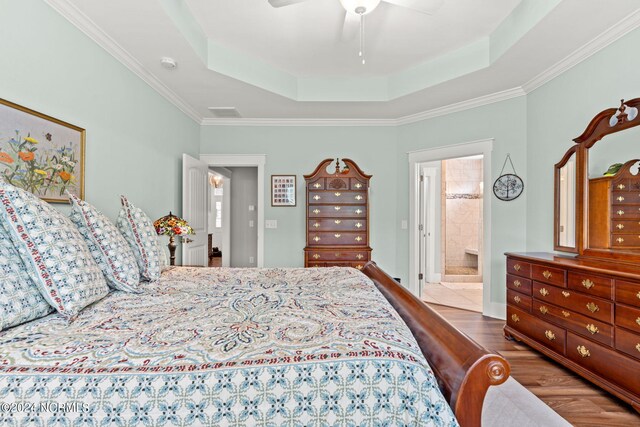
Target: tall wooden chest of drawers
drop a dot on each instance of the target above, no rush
(585, 314)
(337, 216)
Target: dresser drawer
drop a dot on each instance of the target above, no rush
(625, 226)
(519, 300)
(628, 292)
(316, 185)
(583, 325)
(626, 197)
(628, 342)
(337, 211)
(553, 276)
(338, 255)
(590, 284)
(620, 369)
(519, 284)
(620, 185)
(625, 240)
(338, 197)
(337, 224)
(356, 184)
(628, 317)
(624, 212)
(337, 238)
(595, 308)
(316, 264)
(519, 268)
(550, 335)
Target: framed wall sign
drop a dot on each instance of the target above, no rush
(40, 154)
(283, 190)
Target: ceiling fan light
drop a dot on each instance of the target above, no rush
(352, 5)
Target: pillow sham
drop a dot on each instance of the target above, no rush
(53, 251)
(107, 246)
(20, 299)
(141, 235)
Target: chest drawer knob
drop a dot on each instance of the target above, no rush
(638, 321)
(517, 267)
(317, 185)
(621, 186)
(359, 256)
(619, 240)
(358, 225)
(638, 295)
(517, 283)
(550, 335)
(565, 294)
(358, 211)
(592, 307)
(588, 283)
(544, 292)
(517, 299)
(547, 274)
(543, 309)
(317, 239)
(316, 197)
(338, 194)
(515, 318)
(359, 197)
(336, 208)
(620, 212)
(316, 225)
(638, 346)
(583, 351)
(358, 185)
(316, 211)
(593, 329)
(337, 221)
(620, 198)
(620, 226)
(316, 256)
(359, 267)
(337, 235)
(358, 239)
(566, 313)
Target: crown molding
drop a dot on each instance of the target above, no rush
(604, 39)
(298, 122)
(91, 30)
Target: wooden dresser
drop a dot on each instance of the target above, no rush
(583, 313)
(337, 215)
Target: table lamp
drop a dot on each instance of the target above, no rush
(171, 225)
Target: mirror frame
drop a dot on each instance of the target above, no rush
(597, 129)
(556, 205)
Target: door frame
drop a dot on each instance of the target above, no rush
(484, 147)
(246, 160)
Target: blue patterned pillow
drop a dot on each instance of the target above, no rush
(20, 299)
(110, 250)
(141, 235)
(53, 251)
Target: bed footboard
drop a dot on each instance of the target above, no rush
(464, 369)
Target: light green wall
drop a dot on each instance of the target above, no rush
(560, 110)
(298, 150)
(135, 137)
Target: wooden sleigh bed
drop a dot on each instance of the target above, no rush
(464, 369)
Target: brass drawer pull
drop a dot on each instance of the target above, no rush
(337, 221)
(638, 346)
(359, 256)
(358, 211)
(517, 283)
(317, 239)
(565, 294)
(316, 256)
(337, 254)
(515, 318)
(316, 197)
(358, 239)
(517, 299)
(619, 240)
(621, 187)
(638, 321)
(620, 212)
(620, 226)
(358, 224)
(316, 211)
(359, 267)
(337, 208)
(550, 335)
(620, 198)
(338, 194)
(337, 235)
(588, 283)
(544, 292)
(638, 295)
(566, 313)
(359, 197)
(592, 328)
(517, 267)
(316, 225)
(543, 309)
(582, 351)
(592, 307)
(546, 274)
(358, 185)
(317, 185)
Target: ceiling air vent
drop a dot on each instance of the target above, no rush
(224, 112)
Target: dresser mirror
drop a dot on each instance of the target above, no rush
(597, 188)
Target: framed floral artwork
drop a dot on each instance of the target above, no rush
(283, 190)
(41, 154)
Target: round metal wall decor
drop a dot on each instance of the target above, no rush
(508, 186)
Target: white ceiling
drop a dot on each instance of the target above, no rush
(304, 39)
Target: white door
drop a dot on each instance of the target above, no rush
(195, 202)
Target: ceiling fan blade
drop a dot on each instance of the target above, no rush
(281, 3)
(351, 26)
(429, 7)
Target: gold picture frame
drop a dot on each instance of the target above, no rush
(41, 154)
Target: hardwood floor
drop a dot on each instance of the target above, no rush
(576, 400)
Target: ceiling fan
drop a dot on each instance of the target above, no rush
(355, 11)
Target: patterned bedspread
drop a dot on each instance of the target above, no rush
(238, 347)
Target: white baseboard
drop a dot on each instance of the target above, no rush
(496, 310)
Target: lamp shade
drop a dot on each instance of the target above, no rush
(171, 225)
